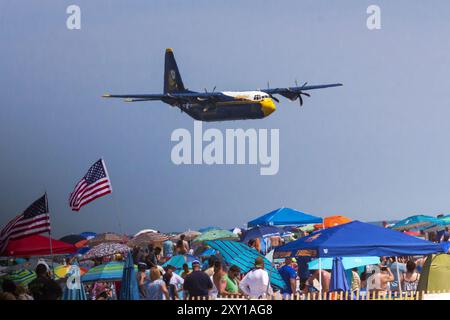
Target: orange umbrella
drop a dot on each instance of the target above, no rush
(333, 221)
(81, 243)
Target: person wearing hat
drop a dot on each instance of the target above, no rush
(256, 283)
(173, 282)
(43, 287)
(141, 278)
(197, 284)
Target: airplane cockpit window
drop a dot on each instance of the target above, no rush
(257, 97)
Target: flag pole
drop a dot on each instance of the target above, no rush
(49, 232)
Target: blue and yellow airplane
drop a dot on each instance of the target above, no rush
(218, 106)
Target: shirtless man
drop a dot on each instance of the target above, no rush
(384, 277)
(326, 277)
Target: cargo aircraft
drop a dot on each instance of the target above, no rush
(219, 105)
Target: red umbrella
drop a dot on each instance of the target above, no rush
(37, 245)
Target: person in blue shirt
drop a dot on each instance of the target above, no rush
(289, 276)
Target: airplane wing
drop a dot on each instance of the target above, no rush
(173, 98)
(293, 93)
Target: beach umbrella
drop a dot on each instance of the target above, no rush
(439, 226)
(72, 238)
(333, 221)
(178, 261)
(260, 232)
(21, 277)
(129, 287)
(208, 252)
(241, 255)
(63, 271)
(147, 238)
(338, 281)
(415, 222)
(188, 235)
(145, 231)
(216, 235)
(88, 235)
(347, 262)
(206, 229)
(107, 238)
(81, 243)
(106, 249)
(111, 271)
(74, 289)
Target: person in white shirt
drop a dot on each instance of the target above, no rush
(256, 283)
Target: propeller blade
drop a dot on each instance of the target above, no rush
(276, 99)
(306, 94)
(300, 99)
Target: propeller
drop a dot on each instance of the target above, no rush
(300, 93)
(271, 96)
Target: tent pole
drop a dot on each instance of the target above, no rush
(398, 276)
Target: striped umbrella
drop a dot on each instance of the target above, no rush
(74, 289)
(129, 288)
(241, 255)
(178, 261)
(63, 271)
(111, 271)
(415, 222)
(21, 277)
(438, 226)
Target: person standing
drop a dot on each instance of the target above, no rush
(410, 279)
(156, 288)
(445, 235)
(256, 282)
(289, 275)
(356, 280)
(197, 284)
(232, 279)
(43, 287)
(141, 280)
(393, 265)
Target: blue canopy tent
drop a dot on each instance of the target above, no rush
(357, 239)
(241, 255)
(283, 217)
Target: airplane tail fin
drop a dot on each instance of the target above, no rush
(172, 77)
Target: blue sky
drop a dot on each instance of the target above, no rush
(374, 149)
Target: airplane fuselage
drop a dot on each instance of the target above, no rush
(237, 105)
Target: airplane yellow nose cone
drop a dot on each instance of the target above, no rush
(267, 106)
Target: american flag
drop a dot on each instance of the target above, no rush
(93, 185)
(34, 220)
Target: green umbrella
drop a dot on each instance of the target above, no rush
(21, 277)
(216, 234)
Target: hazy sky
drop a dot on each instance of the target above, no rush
(377, 148)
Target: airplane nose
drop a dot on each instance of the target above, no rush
(267, 106)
